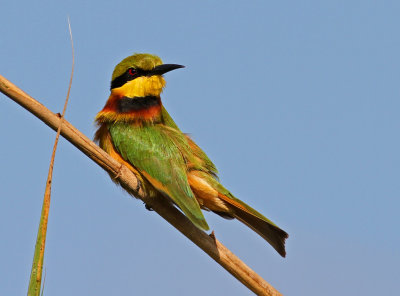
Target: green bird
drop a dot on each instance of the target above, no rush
(136, 130)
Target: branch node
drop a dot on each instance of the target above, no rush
(212, 235)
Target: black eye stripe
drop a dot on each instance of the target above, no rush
(129, 75)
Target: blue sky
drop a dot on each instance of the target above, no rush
(296, 102)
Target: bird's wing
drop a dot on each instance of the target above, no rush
(159, 158)
(203, 162)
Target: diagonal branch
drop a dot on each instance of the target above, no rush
(208, 243)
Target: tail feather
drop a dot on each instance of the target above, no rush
(271, 233)
(275, 236)
(213, 196)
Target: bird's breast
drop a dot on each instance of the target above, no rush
(121, 108)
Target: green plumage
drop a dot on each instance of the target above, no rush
(157, 150)
(205, 163)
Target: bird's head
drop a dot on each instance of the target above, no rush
(136, 85)
(140, 75)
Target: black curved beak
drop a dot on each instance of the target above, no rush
(164, 68)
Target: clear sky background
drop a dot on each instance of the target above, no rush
(296, 102)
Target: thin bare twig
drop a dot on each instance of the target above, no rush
(208, 244)
(37, 265)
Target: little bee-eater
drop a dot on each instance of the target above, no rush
(136, 130)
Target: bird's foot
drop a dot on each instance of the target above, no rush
(118, 172)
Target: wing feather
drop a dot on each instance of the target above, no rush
(160, 158)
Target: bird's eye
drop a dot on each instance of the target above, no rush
(132, 72)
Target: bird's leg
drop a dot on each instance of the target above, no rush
(139, 184)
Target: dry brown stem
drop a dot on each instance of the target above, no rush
(208, 244)
(37, 266)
